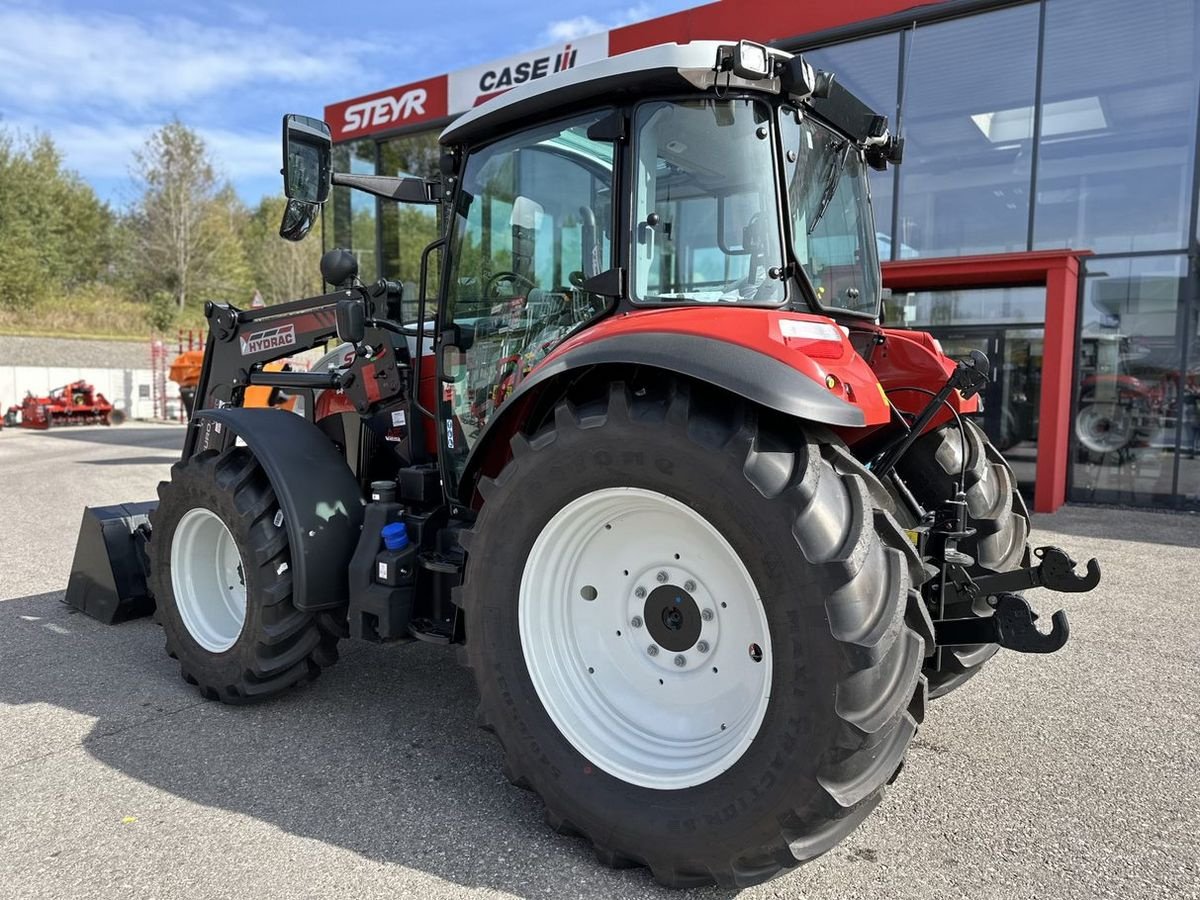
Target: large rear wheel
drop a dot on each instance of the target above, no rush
(694, 637)
(222, 582)
(931, 469)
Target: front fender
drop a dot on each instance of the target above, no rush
(320, 498)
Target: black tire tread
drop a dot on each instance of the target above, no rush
(290, 646)
(881, 691)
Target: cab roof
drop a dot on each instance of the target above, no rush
(664, 68)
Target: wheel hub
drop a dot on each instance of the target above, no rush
(673, 618)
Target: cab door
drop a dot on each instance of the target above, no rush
(533, 222)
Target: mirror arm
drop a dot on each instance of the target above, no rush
(389, 187)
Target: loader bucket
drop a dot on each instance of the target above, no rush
(108, 576)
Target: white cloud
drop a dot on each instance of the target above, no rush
(570, 29)
(106, 151)
(581, 26)
(58, 59)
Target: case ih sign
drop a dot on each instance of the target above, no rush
(470, 87)
(448, 95)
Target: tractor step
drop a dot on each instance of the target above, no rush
(431, 631)
(450, 563)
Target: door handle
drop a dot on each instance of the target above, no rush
(449, 358)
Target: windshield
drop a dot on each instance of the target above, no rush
(706, 226)
(832, 226)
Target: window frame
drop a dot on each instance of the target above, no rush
(630, 226)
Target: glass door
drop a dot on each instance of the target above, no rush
(1010, 402)
(533, 224)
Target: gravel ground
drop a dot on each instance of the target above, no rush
(1073, 775)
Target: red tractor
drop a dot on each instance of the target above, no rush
(77, 403)
(709, 537)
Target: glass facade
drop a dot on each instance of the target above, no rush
(968, 122)
(406, 228)
(1086, 111)
(1029, 126)
(1136, 402)
(354, 212)
(1006, 324)
(1118, 125)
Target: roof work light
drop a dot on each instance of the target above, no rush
(751, 61)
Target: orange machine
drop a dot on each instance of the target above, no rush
(185, 372)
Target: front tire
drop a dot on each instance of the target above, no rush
(753, 755)
(221, 577)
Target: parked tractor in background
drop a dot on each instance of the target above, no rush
(708, 534)
(77, 403)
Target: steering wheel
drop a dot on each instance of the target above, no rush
(489, 289)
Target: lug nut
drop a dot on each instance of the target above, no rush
(652, 650)
(639, 592)
(681, 660)
(706, 615)
(689, 585)
(702, 646)
(661, 576)
(636, 621)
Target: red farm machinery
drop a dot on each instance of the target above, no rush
(77, 403)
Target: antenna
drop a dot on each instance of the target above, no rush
(908, 45)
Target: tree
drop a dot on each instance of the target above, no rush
(281, 270)
(55, 234)
(185, 225)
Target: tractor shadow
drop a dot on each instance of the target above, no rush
(381, 755)
(157, 438)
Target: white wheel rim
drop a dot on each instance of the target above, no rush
(638, 713)
(208, 580)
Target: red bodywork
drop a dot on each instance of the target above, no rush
(858, 364)
(905, 360)
(77, 403)
(765, 331)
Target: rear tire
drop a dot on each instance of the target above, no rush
(998, 513)
(844, 636)
(222, 582)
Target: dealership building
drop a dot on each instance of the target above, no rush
(1046, 210)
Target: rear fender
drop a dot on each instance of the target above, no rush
(321, 501)
(800, 365)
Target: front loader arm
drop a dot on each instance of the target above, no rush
(241, 342)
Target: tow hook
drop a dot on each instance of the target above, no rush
(1012, 623)
(1011, 626)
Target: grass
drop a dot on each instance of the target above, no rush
(96, 313)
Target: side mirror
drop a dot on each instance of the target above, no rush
(298, 219)
(307, 159)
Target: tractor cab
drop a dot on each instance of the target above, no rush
(677, 178)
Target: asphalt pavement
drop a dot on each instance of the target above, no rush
(1075, 775)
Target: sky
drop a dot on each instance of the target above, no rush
(98, 77)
